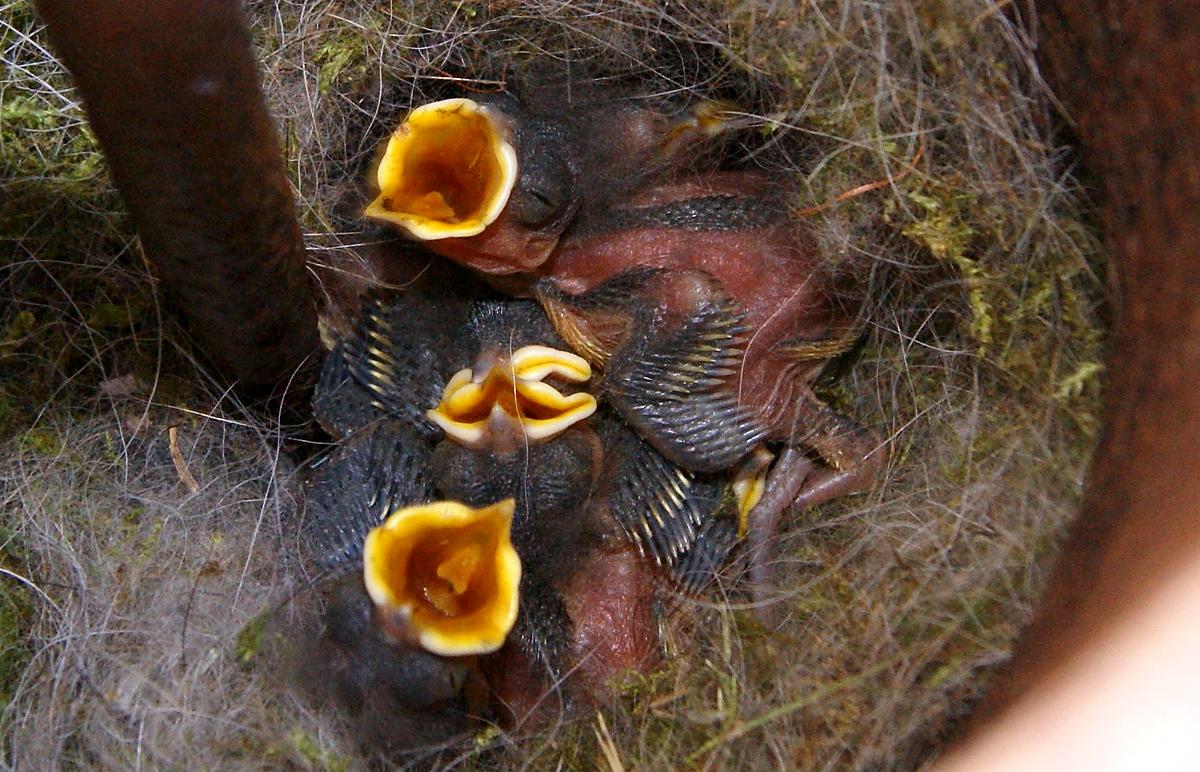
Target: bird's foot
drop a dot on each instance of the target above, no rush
(795, 482)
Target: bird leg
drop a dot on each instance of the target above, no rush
(855, 459)
(784, 483)
(827, 484)
(841, 443)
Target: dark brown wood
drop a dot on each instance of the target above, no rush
(171, 91)
(1129, 75)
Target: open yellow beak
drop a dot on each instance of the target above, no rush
(446, 575)
(749, 483)
(447, 171)
(511, 396)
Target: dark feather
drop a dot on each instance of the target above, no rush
(402, 371)
(670, 387)
(543, 628)
(346, 494)
(660, 506)
(340, 403)
(707, 555)
(703, 213)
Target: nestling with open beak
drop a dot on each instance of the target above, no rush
(396, 646)
(418, 584)
(483, 179)
(708, 310)
(514, 428)
(493, 183)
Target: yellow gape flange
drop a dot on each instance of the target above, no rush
(445, 575)
(511, 396)
(447, 171)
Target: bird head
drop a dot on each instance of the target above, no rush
(482, 182)
(445, 576)
(506, 400)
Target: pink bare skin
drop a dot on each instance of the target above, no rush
(772, 272)
(610, 600)
(787, 297)
(503, 247)
(791, 309)
(612, 604)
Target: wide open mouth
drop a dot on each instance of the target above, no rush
(447, 171)
(480, 408)
(446, 574)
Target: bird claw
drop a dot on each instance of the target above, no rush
(796, 482)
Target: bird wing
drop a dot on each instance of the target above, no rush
(340, 403)
(707, 555)
(670, 384)
(399, 370)
(354, 488)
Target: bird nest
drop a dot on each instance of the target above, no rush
(143, 539)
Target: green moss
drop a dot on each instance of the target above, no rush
(944, 24)
(487, 737)
(947, 234)
(1074, 383)
(16, 617)
(17, 328)
(110, 316)
(43, 442)
(67, 246)
(40, 139)
(314, 756)
(9, 415)
(943, 672)
(32, 143)
(249, 641)
(342, 59)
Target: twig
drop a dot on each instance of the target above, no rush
(181, 467)
(861, 189)
(607, 746)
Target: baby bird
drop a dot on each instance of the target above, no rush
(710, 342)
(704, 303)
(403, 696)
(494, 182)
(480, 178)
(508, 427)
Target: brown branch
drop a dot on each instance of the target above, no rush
(171, 91)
